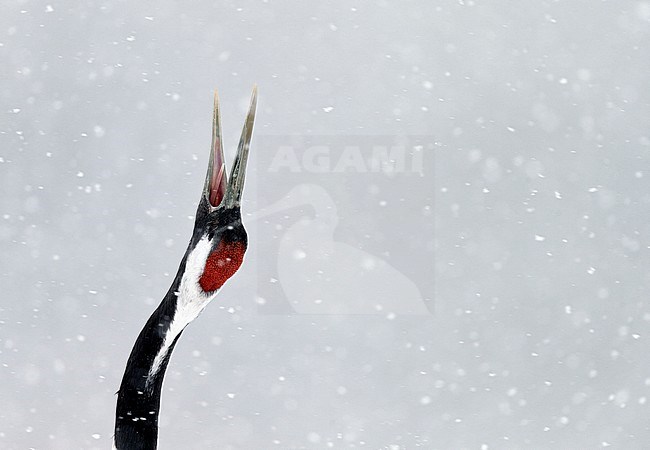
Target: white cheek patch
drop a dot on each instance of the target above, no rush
(190, 301)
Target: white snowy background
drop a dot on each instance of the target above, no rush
(538, 333)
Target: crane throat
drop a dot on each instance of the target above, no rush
(207, 269)
(221, 264)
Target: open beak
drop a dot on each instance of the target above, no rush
(217, 190)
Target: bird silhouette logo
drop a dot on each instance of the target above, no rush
(314, 264)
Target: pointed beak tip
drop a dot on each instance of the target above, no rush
(254, 96)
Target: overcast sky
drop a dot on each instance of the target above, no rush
(447, 205)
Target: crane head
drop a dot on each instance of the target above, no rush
(218, 223)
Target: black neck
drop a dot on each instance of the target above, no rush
(138, 400)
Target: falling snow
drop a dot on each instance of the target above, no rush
(524, 326)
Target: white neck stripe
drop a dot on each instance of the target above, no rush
(190, 301)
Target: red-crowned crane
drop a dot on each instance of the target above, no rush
(214, 254)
